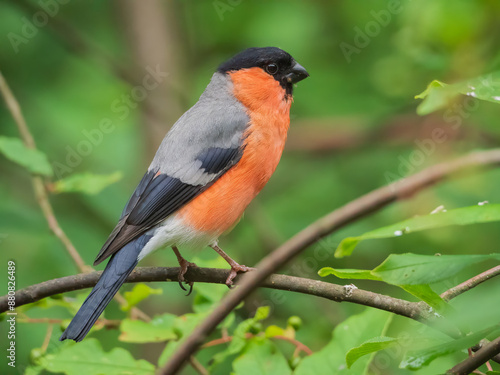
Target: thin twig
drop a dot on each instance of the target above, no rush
(198, 366)
(352, 211)
(38, 186)
(479, 358)
(48, 335)
(135, 312)
(471, 283)
(223, 340)
(488, 366)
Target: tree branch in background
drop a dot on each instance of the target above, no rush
(471, 283)
(151, 33)
(478, 359)
(298, 345)
(352, 211)
(38, 185)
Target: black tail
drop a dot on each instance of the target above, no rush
(116, 272)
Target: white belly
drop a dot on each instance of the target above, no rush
(174, 232)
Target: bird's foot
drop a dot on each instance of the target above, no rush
(235, 268)
(184, 266)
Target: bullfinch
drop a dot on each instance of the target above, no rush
(210, 165)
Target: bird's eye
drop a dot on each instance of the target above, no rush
(272, 68)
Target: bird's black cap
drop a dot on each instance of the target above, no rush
(280, 64)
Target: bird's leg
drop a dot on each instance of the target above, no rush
(235, 267)
(184, 264)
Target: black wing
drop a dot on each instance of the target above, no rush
(158, 195)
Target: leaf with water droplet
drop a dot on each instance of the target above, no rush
(460, 216)
(439, 94)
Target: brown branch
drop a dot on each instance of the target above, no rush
(223, 340)
(322, 289)
(352, 211)
(471, 283)
(479, 358)
(38, 185)
(198, 366)
(151, 31)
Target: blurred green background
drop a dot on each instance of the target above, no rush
(354, 124)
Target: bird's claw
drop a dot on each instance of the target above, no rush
(184, 265)
(235, 268)
(190, 283)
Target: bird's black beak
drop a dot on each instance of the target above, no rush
(297, 73)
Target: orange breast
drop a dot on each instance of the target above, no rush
(219, 208)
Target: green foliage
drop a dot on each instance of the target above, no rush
(349, 334)
(183, 326)
(239, 340)
(370, 346)
(86, 183)
(460, 216)
(413, 272)
(260, 357)
(412, 269)
(160, 328)
(33, 160)
(438, 94)
(417, 360)
(88, 357)
(138, 293)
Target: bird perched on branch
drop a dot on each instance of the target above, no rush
(208, 168)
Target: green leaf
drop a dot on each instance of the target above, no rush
(33, 370)
(262, 313)
(371, 346)
(418, 359)
(160, 328)
(412, 269)
(347, 273)
(274, 330)
(239, 340)
(183, 326)
(138, 293)
(351, 333)
(413, 273)
(425, 293)
(261, 357)
(33, 160)
(460, 216)
(415, 269)
(86, 183)
(88, 357)
(439, 95)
